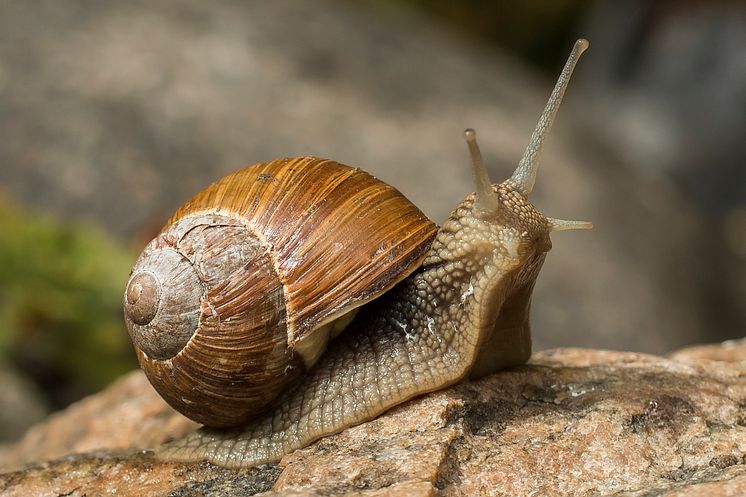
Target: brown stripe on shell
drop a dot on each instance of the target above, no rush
(340, 237)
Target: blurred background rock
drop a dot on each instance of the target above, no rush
(113, 113)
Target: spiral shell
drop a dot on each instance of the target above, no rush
(249, 279)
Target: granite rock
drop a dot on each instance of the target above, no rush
(572, 422)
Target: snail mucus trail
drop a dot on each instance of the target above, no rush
(449, 305)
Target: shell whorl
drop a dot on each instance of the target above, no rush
(237, 295)
(339, 236)
(162, 301)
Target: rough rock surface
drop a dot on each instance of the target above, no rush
(128, 414)
(572, 422)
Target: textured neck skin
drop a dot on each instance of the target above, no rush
(435, 328)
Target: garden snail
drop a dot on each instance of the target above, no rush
(232, 306)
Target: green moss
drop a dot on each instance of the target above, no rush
(60, 301)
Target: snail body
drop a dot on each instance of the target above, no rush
(452, 304)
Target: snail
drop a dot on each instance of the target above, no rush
(295, 298)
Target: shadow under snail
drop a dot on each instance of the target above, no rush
(236, 308)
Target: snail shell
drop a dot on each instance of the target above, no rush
(246, 283)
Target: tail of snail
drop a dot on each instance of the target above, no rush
(233, 306)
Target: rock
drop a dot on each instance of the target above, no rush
(21, 404)
(730, 351)
(129, 414)
(571, 422)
